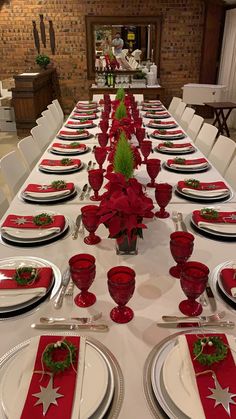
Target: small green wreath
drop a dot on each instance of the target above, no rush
(179, 160)
(58, 184)
(163, 132)
(74, 144)
(43, 219)
(66, 162)
(209, 213)
(218, 355)
(168, 144)
(26, 275)
(59, 366)
(193, 183)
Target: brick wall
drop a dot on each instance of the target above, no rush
(182, 31)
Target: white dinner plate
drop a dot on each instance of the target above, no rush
(47, 200)
(80, 126)
(94, 389)
(75, 137)
(193, 196)
(68, 151)
(184, 168)
(161, 126)
(232, 265)
(211, 232)
(168, 137)
(175, 151)
(61, 171)
(229, 301)
(8, 304)
(153, 116)
(78, 117)
(180, 383)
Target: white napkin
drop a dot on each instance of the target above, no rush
(26, 373)
(69, 150)
(47, 194)
(188, 166)
(209, 192)
(12, 297)
(227, 228)
(187, 373)
(59, 168)
(75, 135)
(29, 233)
(176, 149)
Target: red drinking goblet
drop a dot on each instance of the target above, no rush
(90, 220)
(83, 271)
(153, 168)
(103, 126)
(100, 154)
(140, 135)
(138, 122)
(193, 280)
(146, 147)
(95, 178)
(181, 247)
(103, 139)
(121, 284)
(163, 194)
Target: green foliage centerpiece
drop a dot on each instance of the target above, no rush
(120, 94)
(121, 111)
(123, 158)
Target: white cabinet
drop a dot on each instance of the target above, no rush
(198, 94)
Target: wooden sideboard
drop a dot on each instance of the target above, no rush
(32, 93)
(148, 92)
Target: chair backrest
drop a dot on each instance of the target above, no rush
(52, 123)
(230, 174)
(29, 150)
(179, 111)
(43, 121)
(222, 153)
(139, 98)
(194, 127)
(13, 171)
(59, 108)
(206, 138)
(173, 104)
(97, 98)
(42, 135)
(53, 109)
(4, 204)
(187, 117)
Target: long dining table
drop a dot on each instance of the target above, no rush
(156, 294)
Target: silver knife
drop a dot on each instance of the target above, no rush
(65, 281)
(227, 324)
(182, 223)
(211, 298)
(89, 165)
(85, 187)
(78, 222)
(71, 326)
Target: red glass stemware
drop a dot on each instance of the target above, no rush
(146, 147)
(90, 220)
(103, 126)
(153, 168)
(181, 247)
(100, 154)
(95, 178)
(103, 139)
(163, 194)
(121, 285)
(83, 271)
(138, 121)
(193, 280)
(140, 134)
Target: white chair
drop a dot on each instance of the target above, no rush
(230, 174)
(206, 138)
(194, 127)
(179, 111)
(52, 108)
(4, 204)
(59, 108)
(13, 171)
(97, 98)
(187, 117)
(174, 103)
(52, 123)
(222, 153)
(29, 150)
(41, 135)
(43, 121)
(139, 98)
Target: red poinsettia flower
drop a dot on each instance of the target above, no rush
(124, 206)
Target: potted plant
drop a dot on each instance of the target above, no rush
(42, 60)
(124, 205)
(139, 79)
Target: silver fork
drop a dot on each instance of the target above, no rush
(82, 320)
(213, 317)
(70, 289)
(175, 219)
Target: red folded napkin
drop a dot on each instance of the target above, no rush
(176, 132)
(187, 162)
(34, 187)
(175, 145)
(69, 146)
(228, 280)
(73, 162)
(44, 279)
(225, 373)
(223, 217)
(158, 113)
(64, 382)
(203, 186)
(26, 221)
(68, 133)
(79, 122)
